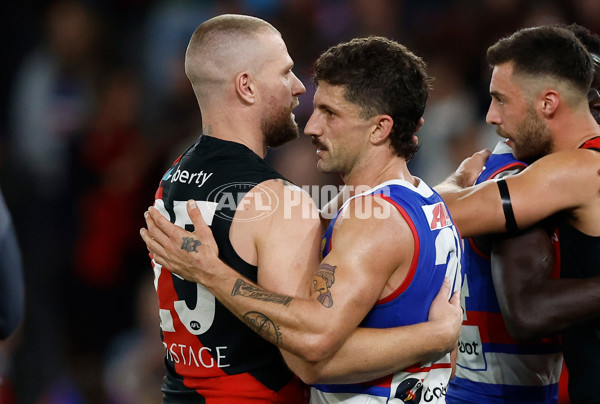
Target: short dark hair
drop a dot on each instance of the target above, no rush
(545, 50)
(381, 76)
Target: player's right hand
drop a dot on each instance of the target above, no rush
(192, 256)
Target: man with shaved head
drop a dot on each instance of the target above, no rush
(242, 76)
(224, 47)
(252, 52)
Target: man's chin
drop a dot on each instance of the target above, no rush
(324, 168)
(280, 140)
(528, 157)
(320, 166)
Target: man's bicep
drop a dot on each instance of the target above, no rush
(476, 210)
(560, 181)
(366, 255)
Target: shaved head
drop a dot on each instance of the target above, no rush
(222, 47)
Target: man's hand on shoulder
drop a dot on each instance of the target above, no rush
(466, 174)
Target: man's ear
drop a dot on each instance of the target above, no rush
(415, 138)
(419, 124)
(382, 129)
(244, 87)
(549, 102)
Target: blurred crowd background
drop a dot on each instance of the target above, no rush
(95, 105)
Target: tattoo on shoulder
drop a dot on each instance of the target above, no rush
(190, 244)
(243, 288)
(263, 326)
(323, 279)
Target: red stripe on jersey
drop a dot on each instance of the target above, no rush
(232, 390)
(413, 265)
(593, 143)
(507, 167)
(477, 250)
(493, 330)
(491, 327)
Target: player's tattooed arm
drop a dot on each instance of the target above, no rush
(259, 322)
(243, 288)
(323, 279)
(263, 326)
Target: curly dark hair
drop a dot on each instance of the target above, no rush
(590, 40)
(381, 76)
(545, 50)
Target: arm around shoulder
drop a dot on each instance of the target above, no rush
(389, 349)
(567, 180)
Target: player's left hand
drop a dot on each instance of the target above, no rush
(448, 313)
(467, 172)
(192, 256)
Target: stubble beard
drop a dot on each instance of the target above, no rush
(279, 128)
(533, 138)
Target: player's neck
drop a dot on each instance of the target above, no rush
(242, 131)
(377, 171)
(572, 133)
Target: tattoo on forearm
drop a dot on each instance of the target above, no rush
(263, 326)
(323, 279)
(190, 244)
(243, 288)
